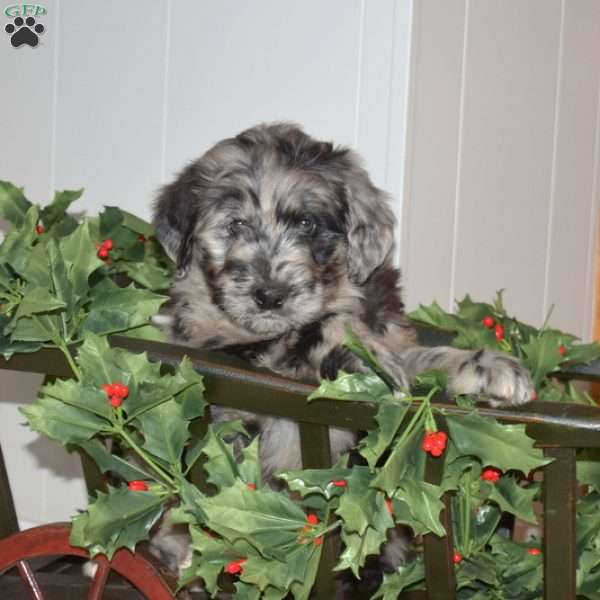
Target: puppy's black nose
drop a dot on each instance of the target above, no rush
(268, 298)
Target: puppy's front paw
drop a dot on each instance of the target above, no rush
(499, 378)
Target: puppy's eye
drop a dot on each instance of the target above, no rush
(307, 225)
(236, 226)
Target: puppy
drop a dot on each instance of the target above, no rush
(282, 242)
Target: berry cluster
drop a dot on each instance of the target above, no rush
(105, 247)
(116, 392)
(435, 442)
(498, 328)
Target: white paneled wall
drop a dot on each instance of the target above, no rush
(502, 168)
(481, 117)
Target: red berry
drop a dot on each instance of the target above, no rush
(234, 568)
(534, 551)
(312, 519)
(457, 558)
(499, 332)
(108, 244)
(491, 474)
(340, 483)
(39, 229)
(251, 486)
(138, 486)
(103, 253)
(121, 390)
(488, 322)
(534, 395)
(389, 504)
(108, 389)
(318, 541)
(115, 401)
(562, 350)
(141, 237)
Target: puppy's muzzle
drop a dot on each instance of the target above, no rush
(270, 297)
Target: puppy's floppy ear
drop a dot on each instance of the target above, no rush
(175, 215)
(370, 222)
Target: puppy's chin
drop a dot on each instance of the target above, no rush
(266, 324)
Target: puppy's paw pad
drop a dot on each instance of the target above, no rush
(500, 378)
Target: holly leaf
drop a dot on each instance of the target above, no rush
(13, 204)
(18, 242)
(268, 520)
(405, 576)
(357, 547)
(405, 458)
(108, 461)
(119, 519)
(435, 316)
(318, 481)
(165, 432)
(221, 466)
(389, 417)
(79, 395)
(513, 498)
(582, 353)
(57, 209)
(363, 387)
(80, 254)
(362, 506)
(504, 446)
(541, 354)
(423, 501)
(36, 300)
(114, 309)
(61, 422)
(136, 224)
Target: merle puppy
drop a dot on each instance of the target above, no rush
(282, 242)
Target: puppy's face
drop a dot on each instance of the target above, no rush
(274, 221)
(271, 240)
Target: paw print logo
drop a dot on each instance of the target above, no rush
(24, 32)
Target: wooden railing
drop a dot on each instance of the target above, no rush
(559, 429)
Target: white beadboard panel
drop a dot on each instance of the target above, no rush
(110, 101)
(575, 199)
(506, 159)
(433, 147)
(46, 483)
(27, 104)
(260, 61)
(374, 85)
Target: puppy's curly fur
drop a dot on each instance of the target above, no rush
(282, 242)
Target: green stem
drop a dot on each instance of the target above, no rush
(425, 405)
(65, 350)
(170, 481)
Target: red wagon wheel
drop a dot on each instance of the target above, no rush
(53, 540)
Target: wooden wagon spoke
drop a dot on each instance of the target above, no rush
(28, 577)
(99, 581)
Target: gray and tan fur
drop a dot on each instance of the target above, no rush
(282, 242)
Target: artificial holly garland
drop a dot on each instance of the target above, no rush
(57, 289)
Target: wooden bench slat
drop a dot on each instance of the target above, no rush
(560, 496)
(315, 450)
(440, 577)
(8, 516)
